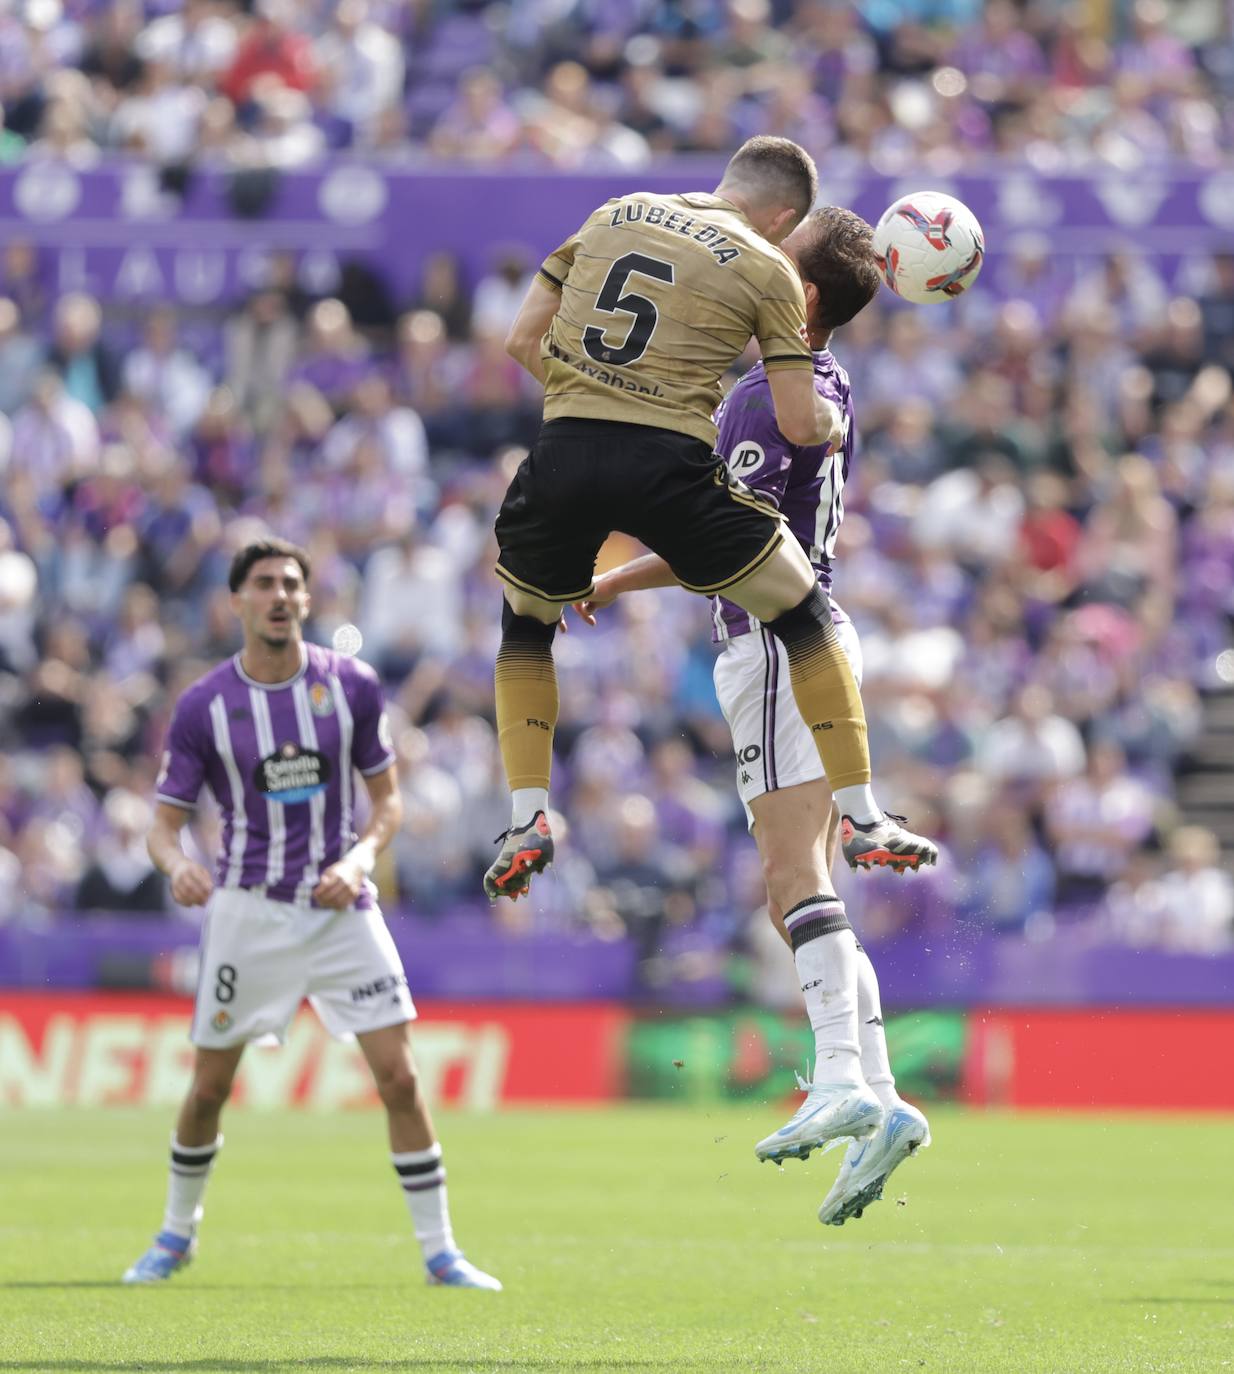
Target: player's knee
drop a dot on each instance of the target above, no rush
(810, 617)
(398, 1084)
(524, 616)
(790, 881)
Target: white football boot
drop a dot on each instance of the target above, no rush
(830, 1111)
(869, 1163)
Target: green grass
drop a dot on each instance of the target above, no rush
(628, 1239)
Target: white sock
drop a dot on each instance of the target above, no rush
(858, 803)
(186, 1185)
(423, 1177)
(825, 952)
(524, 803)
(874, 1061)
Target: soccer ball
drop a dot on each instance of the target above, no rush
(928, 247)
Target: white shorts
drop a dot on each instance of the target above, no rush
(773, 746)
(260, 959)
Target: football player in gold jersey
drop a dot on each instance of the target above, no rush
(630, 326)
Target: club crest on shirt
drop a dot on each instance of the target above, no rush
(221, 1021)
(321, 699)
(292, 774)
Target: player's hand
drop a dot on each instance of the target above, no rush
(191, 884)
(602, 596)
(835, 434)
(340, 885)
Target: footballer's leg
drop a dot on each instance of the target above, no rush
(553, 520)
(417, 1157)
(903, 1131)
(194, 1146)
(790, 828)
(784, 594)
(525, 688)
(719, 538)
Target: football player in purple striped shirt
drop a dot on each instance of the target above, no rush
(278, 733)
(788, 802)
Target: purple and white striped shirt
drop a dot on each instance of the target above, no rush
(280, 759)
(805, 484)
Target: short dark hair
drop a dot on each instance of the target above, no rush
(265, 548)
(776, 169)
(838, 257)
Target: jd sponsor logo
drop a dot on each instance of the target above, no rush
(293, 774)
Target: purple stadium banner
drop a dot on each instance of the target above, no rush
(115, 230)
(972, 969)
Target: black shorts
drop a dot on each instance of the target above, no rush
(584, 479)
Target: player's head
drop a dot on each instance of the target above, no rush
(269, 591)
(833, 250)
(773, 181)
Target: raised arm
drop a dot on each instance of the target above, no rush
(530, 326)
(640, 574)
(803, 416)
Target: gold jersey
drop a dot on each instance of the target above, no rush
(659, 296)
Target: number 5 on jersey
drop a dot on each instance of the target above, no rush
(610, 300)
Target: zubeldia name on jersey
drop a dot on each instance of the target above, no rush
(635, 211)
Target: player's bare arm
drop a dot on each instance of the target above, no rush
(639, 574)
(803, 416)
(530, 326)
(341, 883)
(191, 883)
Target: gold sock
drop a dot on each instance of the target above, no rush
(825, 690)
(525, 684)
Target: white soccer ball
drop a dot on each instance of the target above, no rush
(928, 247)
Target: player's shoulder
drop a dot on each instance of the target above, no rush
(351, 672)
(752, 382)
(830, 375)
(202, 691)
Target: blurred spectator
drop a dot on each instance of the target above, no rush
(361, 67)
(1032, 746)
(442, 291)
(55, 437)
(260, 350)
(20, 359)
(88, 366)
(121, 876)
(1096, 822)
(197, 42)
(478, 126)
(165, 376)
(270, 50)
(1198, 902)
(499, 294)
(335, 357)
(373, 416)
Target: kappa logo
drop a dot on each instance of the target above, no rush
(321, 699)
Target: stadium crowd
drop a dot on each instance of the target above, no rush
(1038, 549)
(897, 85)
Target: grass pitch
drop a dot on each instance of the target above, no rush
(628, 1239)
